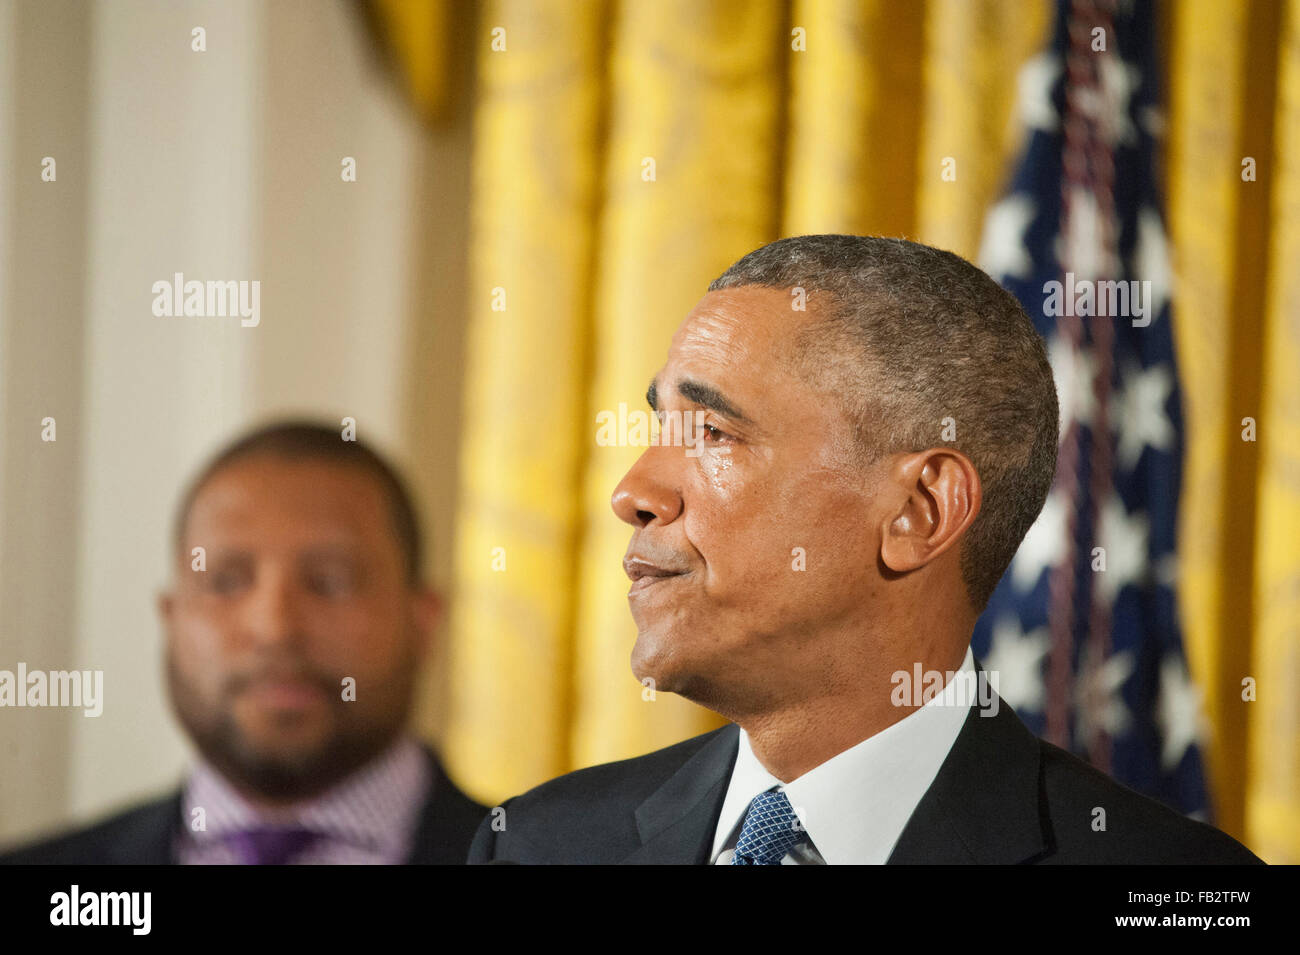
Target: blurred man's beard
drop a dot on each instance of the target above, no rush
(285, 775)
(297, 772)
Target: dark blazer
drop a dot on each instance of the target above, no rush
(1001, 796)
(143, 835)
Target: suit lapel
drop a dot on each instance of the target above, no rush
(676, 823)
(446, 814)
(983, 807)
(146, 839)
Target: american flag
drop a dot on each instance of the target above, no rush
(1083, 629)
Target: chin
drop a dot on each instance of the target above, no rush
(652, 660)
(284, 734)
(289, 749)
(672, 670)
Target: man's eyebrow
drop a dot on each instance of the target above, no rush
(232, 554)
(696, 392)
(329, 552)
(706, 396)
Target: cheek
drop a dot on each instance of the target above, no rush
(780, 534)
(738, 519)
(361, 636)
(721, 470)
(834, 529)
(717, 495)
(200, 651)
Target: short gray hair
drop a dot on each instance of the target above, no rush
(912, 335)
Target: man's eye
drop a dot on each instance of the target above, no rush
(226, 581)
(330, 585)
(714, 433)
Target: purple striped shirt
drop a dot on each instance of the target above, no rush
(369, 818)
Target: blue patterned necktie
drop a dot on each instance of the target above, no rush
(771, 828)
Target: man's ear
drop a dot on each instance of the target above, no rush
(939, 494)
(166, 608)
(426, 613)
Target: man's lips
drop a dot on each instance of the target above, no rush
(645, 573)
(289, 694)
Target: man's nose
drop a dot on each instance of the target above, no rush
(272, 612)
(648, 492)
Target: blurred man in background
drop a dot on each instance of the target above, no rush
(296, 625)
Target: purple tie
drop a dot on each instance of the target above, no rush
(271, 846)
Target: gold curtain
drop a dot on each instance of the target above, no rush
(1234, 106)
(415, 35)
(1273, 797)
(626, 152)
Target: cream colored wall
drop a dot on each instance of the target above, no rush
(43, 97)
(223, 164)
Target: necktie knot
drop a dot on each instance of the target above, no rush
(272, 846)
(771, 829)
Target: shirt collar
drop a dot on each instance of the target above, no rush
(377, 807)
(855, 805)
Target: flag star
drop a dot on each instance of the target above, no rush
(1124, 537)
(1178, 711)
(1080, 247)
(1074, 372)
(1151, 259)
(1015, 663)
(1142, 418)
(1002, 251)
(1034, 85)
(1042, 547)
(1152, 119)
(1099, 703)
(1107, 104)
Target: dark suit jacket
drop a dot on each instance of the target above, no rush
(1001, 796)
(143, 835)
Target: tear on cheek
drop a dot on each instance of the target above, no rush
(718, 474)
(717, 461)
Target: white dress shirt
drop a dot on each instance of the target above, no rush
(855, 805)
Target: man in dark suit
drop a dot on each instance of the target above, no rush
(296, 624)
(858, 432)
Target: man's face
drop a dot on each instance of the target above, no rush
(304, 587)
(745, 556)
